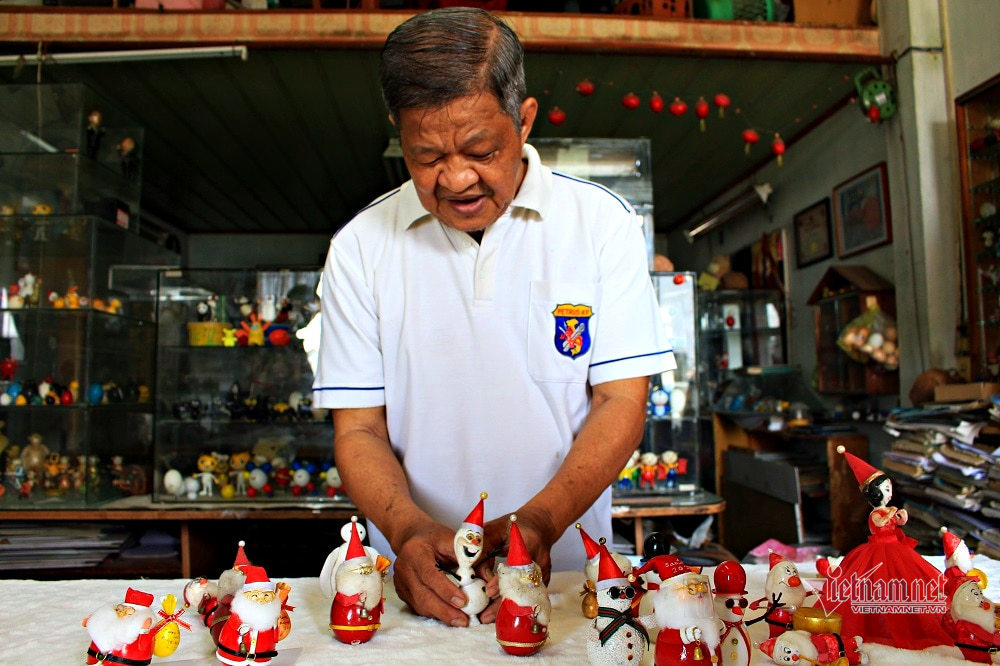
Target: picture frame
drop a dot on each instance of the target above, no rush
(861, 212)
(813, 240)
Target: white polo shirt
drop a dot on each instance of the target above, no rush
(482, 353)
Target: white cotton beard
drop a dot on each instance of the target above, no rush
(524, 593)
(230, 582)
(350, 582)
(799, 643)
(110, 632)
(676, 609)
(976, 614)
(259, 617)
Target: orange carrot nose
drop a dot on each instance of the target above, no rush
(794, 581)
(985, 605)
(737, 610)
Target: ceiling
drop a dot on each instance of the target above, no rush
(291, 140)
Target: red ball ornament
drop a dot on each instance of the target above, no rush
(730, 321)
(279, 337)
(66, 397)
(778, 147)
(874, 114)
(631, 101)
(557, 116)
(268, 489)
(296, 490)
(310, 487)
(678, 279)
(678, 107)
(585, 88)
(251, 492)
(656, 103)
(750, 137)
(722, 101)
(282, 476)
(701, 110)
(330, 491)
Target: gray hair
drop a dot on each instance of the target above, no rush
(436, 57)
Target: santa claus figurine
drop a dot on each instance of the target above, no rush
(590, 570)
(336, 557)
(249, 634)
(618, 636)
(784, 592)
(522, 623)
(971, 620)
(685, 613)
(230, 582)
(121, 633)
(468, 547)
(958, 559)
(357, 607)
(730, 605)
(795, 646)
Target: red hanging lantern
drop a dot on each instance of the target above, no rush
(656, 102)
(679, 279)
(750, 137)
(585, 88)
(557, 116)
(631, 101)
(722, 101)
(701, 110)
(678, 107)
(778, 147)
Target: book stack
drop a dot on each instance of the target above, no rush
(942, 464)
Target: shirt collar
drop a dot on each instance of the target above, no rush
(531, 200)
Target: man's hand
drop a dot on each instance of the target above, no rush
(418, 578)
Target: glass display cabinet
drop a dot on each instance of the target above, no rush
(77, 363)
(235, 358)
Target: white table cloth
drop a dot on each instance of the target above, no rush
(40, 623)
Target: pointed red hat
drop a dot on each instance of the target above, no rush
(354, 547)
(863, 471)
(730, 579)
(475, 519)
(608, 572)
(256, 579)
(773, 559)
(592, 547)
(953, 582)
(517, 552)
(767, 647)
(950, 541)
(241, 556)
(138, 598)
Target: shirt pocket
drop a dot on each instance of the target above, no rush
(562, 329)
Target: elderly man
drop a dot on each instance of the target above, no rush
(490, 324)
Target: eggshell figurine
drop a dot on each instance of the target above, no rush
(173, 482)
(876, 340)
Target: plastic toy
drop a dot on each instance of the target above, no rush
(783, 594)
(522, 623)
(124, 633)
(628, 476)
(971, 620)
(735, 647)
(647, 470)
(250, 634)
(796, 646)
(207, 463)
(468, 548)
(618, 636)
(669, 467)
(356, 586)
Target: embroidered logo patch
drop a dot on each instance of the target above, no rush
(572, 329)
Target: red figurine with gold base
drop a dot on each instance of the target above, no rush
(522, 623)
(356, 611)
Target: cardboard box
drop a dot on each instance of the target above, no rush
(181, 4)
(964, 392)
(833, 12)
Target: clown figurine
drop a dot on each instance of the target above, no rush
(590, 570)
(468, 548)
(122, 633)
(618, 636)
(783, 593)
(357, 606)
(971, 620)
(730, 605)
(689, 631)
(796, 646)
(522, 624)
(249, 634)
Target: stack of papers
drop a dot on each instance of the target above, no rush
(57, 545)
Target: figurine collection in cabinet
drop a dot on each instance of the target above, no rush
(234, 415)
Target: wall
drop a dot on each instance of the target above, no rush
(256, 250)
(972, 28)
(841, 147)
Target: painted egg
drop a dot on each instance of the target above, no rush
(173, 482)
(167, 639)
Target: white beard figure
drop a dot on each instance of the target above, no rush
(327, 576)
(359, 577)
(230, 583)
(961, 558)
(796, 646)
(109, 632)
(970, 605)
(677, 608)
(197, 589)
(524, 593)
(259, 617)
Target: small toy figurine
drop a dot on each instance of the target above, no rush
(122, 633)
(33, 455)
(522, 623)
(796, 646)
(971, 620)
(195, 591)
(670, 466)
(888, 560)
(730, 604)
(238, 471)
(659, 401)
(207, 464)
(647, 470)
(250, 634)
(685, 613)
(128, 157)
(783, 593)
(958, 559)
(468, 547)
(590, 570)
(215, 600)
(254, 330)
(8, 368)
(334, 485)
(618, 636)
(357, 606)
(626, 478)
(95, 132)
(28, 286)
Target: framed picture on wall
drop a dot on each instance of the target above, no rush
(812, 234)
(861, 212)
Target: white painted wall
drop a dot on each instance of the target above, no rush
(972, 31)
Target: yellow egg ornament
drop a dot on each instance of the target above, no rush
(228, 491)
(168, 634)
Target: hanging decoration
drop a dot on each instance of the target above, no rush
(722, 101)
(585, 88)
(631, 101)
(876, 98)
(701, 110)
(678, 107)
(557, 116)
(778, 147)
(656, 102)
(750, 137)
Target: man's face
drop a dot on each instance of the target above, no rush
(465, 158)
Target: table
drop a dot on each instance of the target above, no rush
(638, 507)
(40, 623)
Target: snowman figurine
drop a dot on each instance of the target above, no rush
(468, 548)
(730, 604)
(590, 571)
(784, 592)
(796, 647)
(618, 636)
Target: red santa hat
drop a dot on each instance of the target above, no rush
(517, 552)
(354, 547)
(950, 541)
(138, 598)
(767, 646)
(863, 471)
(953, 582)
(241, 556)
(475, 519)
(256, 579)
(667, 566)
(592, 547)
(608, 571)
(774, 559)
(730, 579)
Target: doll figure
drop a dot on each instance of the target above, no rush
(647, 470)
(797, 647)
(735, 647)
(590, 572)
(95, 132)
(618, 636)
(626, 478)
(207, 464)
(669, 467)
(334, 484)
(468, 548)
(250, 633)
(336, 557)
(238, 471)
(886, 561)
(971, 620)
(122, 633)
(522, 623)
(784, 592)
(356, 585)
(33, 455)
